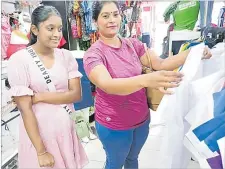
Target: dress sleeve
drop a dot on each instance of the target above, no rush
(91, 59)
(18, 76)
(138, 46)
(72, 65)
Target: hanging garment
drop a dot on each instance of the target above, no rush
(76, 16)
(123, 30)
(6, 35)
(128, 3)
(221, 17)
(206, 18)
(135, 12)
(207, 119)
(173, 108)
(171, 112)
(170, 10)
(213, 35)
(87, 9)
(79, 25)
(185, 14)
(70, 8)
(94, 37)
(207, 108)
(85, 36)
(76, 7)
(74, 30)
(122, 5)
(128, 14)
(138, 28)
(62, 42)
(18, 41)
(186, 46)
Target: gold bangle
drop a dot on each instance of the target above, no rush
(41, 154)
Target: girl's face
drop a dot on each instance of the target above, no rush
(50, 31)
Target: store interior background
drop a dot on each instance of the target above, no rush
(158, 30)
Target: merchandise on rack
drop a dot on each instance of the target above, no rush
(221, 17)
(16, 26)
(6, 33)
(83, 27)
(188, 109)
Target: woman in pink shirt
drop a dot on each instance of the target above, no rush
(121, 110)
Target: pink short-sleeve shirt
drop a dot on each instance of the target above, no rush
(115, 111)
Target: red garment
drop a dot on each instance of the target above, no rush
(13, 48)
(62, 42)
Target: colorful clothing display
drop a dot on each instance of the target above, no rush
(83, 26)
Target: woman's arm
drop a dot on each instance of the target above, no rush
(71, 96)
(24, 104)
(169, 63)
(118, 86)
(125, 86)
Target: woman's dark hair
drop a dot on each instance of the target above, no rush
(41, 14)
(97, 7)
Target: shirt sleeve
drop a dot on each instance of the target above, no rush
(170, 10)
(138, 46)
(91, 59)
(18, 76)
(72, 65)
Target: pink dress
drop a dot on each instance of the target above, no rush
(55, 126)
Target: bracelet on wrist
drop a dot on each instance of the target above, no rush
(41, 154)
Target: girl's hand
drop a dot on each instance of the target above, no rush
(36, 98)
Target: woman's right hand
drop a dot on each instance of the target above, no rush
(46, 160)
(162, 80)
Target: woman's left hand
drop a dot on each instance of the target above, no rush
(206, 53)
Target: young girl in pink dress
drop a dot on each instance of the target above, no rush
(47, 134)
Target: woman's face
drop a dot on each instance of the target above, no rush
(49, 33)
(109, 20)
